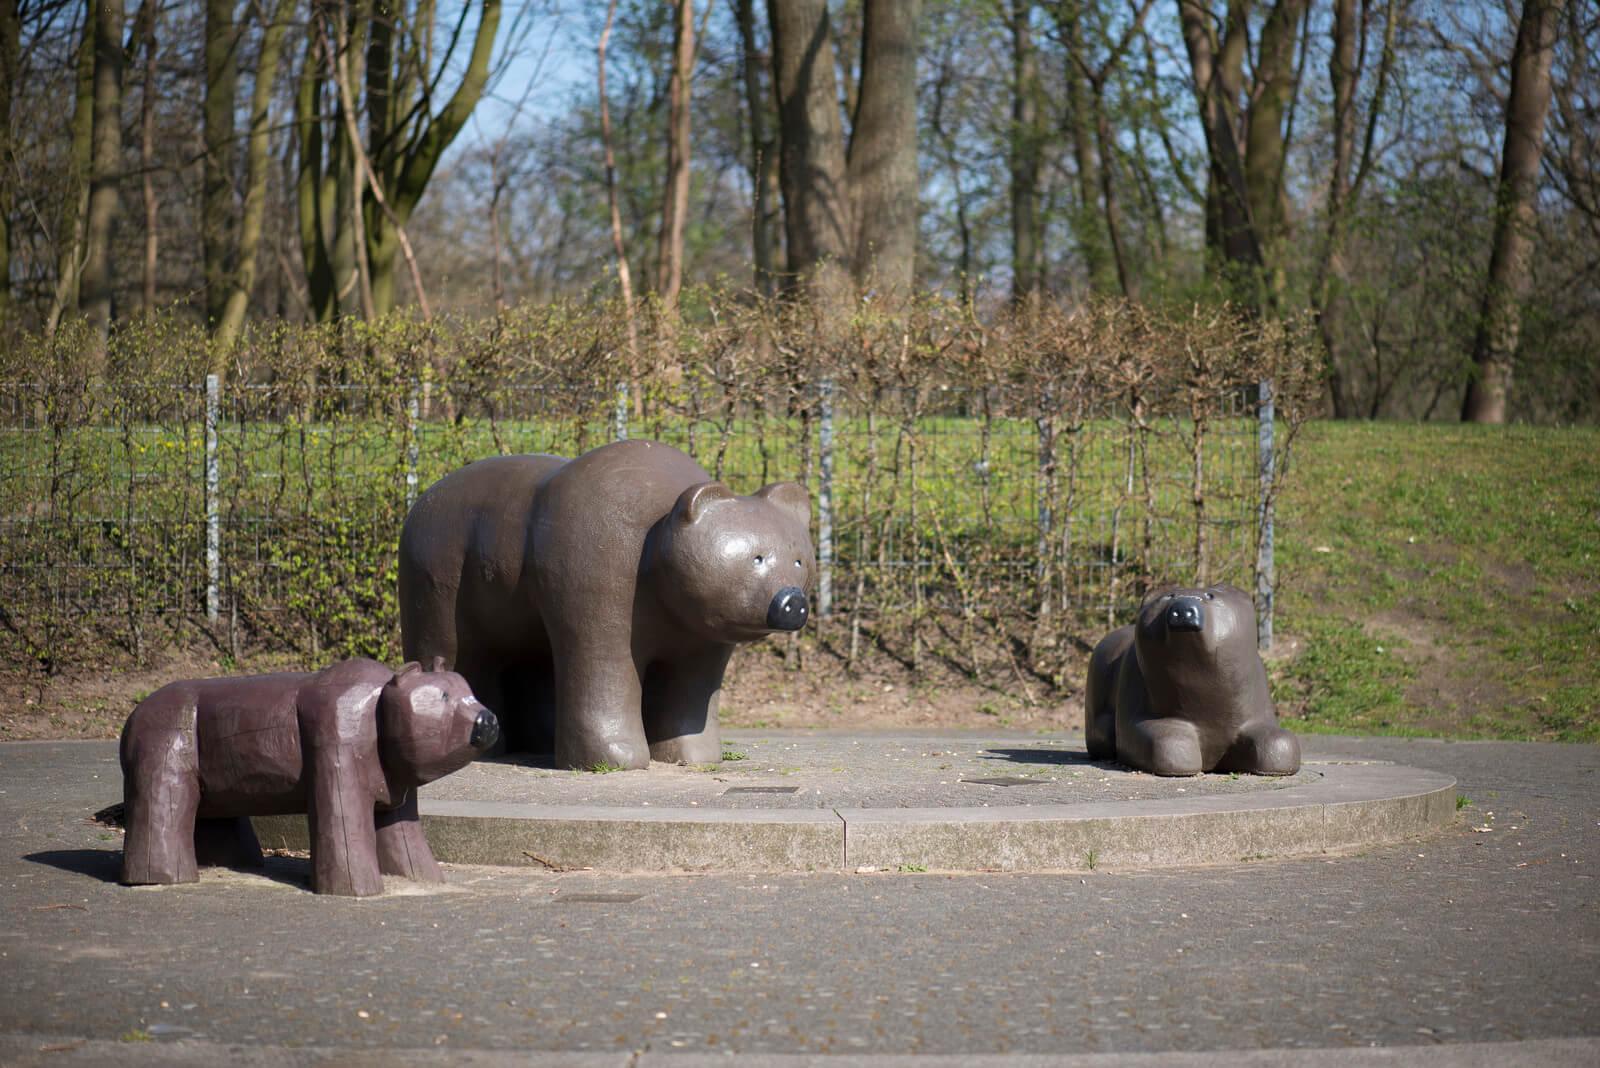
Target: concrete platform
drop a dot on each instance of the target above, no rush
(921, 801)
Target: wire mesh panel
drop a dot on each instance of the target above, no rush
(986, 519)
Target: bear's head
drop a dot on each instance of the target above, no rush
(732, 568)
(1198, 637)
(429, 725)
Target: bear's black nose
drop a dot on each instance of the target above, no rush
(789, 609)
(1185, 613)
(485, 730)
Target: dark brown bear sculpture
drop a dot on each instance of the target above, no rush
(1182, 690)
(348, 746)
(593, 603)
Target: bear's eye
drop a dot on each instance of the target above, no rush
(760, 560)
(798, 564)
(1210, 596)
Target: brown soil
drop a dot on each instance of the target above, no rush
(766, 687)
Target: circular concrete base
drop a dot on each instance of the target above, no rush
(935, 801)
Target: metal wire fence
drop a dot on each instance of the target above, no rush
(987, 524)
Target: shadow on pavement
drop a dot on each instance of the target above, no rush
(1050, 755)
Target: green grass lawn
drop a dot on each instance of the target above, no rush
(1441, 580)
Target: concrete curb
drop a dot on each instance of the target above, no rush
(1350, 805)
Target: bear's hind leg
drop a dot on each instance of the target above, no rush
(229, 843)
(161, 794)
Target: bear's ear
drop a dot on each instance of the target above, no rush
(791, 497)
(438, 664)
(693, 502)
(407, 668)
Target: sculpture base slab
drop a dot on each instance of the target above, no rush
(937, 801)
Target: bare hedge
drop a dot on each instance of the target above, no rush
(989, 493)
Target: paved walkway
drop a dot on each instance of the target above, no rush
(1438, 948)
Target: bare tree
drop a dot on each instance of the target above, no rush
(222, 41)
(882, 160)
(854, 211)
(763, 165)
(241, 282)
(1494, 349)
(675, 191)
(1245, 141)
(10, 42)
(105, 167)
(811, 168)
(624, 275)
(1027, 142)
(387, 52)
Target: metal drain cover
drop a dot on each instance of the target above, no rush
(1005, 780)
(761, 790)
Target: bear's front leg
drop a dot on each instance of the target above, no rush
(680, 703)
(598, 719)
(1263, 749)
(1167, 746)
(161, 794)
(402, 849)
(344, 836)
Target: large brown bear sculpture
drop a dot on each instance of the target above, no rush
(593, 603)
(348, 746)
(1182, 690)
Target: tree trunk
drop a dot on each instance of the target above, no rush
(763, 156)
(314, 190)
(216, 183)
(1329, 300)
(1110, 206)
(811, 168)
(75, 200)
(406, 153)
(147, 162)
(1086, 228)
(624, 274)
(1027, 160)
(675, 191)
(1216, 69)
(1327, 295)
(882, 162)
(1273, 88)
(1494, 349)
(257, 161)
(105, 169)
(10, 36)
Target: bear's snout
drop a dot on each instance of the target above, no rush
(1186, 614)
(485, 730)
(789, 609)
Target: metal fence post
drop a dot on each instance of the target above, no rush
(825, 501)
(620, 418)
(1264, 566)
(413, 410)
(213, 504)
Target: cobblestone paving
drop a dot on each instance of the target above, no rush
(1489, 932)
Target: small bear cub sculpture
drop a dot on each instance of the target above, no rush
(348, 746)
(1182, 690)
